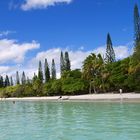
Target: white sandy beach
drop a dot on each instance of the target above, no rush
(89, 97)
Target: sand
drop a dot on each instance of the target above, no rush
(89, 97)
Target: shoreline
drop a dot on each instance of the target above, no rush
(109, 97)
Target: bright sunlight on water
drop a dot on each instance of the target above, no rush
(42, 120)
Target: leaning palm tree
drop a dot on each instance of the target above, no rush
(92, 67)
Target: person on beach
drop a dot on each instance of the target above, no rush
(120, 91)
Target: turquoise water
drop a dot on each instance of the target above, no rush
(69, 121)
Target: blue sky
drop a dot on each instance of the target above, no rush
(79, 26)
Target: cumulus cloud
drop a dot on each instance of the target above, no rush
(76, 56)
(5, 33)
(11, 50)
(121, 51)
(35, 4)
(4, 69)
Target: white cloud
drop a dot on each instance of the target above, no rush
(12, 51)
(76, 57)
(6, 33)
(121, 51)
(35, 4)
(4, 69)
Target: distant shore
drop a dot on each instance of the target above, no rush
(88, 97)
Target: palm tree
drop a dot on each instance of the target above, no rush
(92, 68)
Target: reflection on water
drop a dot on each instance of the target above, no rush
(69, 121)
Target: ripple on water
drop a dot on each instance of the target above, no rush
(69, 121)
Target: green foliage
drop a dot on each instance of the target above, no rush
(7, 82)
(9, 92)
(23, 78)
(137, 78)
(74, 73)
(38, 87)
(72, 83)
(93, 71)
(67, 62)
(53, 70)
(40, 72)
(62, 63)
(47, 71)
(53, 88)
(110, 54)
(17, 78)
(136, 25)
(136, 56)
(74, 86)
(1, 82)
(11, 81)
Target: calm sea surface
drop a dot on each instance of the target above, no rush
(43, 120)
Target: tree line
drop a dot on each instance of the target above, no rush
(98, 74)
(109, 75)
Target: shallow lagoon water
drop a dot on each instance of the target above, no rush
(42, 120)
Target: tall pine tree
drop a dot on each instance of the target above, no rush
(136, 55)
(62, 63)
(53, 70)
(67, 62)
(40, 72)
(28, 80)
(23, 78)
(34, 77)
(136, 25)
(1, 82)
(17, 78)
(7, 82)
(47, 71)
(110, 54)
(11, 81)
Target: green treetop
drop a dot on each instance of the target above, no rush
(47, 71)
(67, 61)
(40, 72)
(11, 81)
(62, 63)
(110, 54)
(136, 25)
(17, 78)
(23, 78)
(7, 82)
(53, 70)
(1, 81)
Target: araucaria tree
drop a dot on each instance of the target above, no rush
(136, 55)
(1, 81)
(67, 62)
(17, 78)
(11, 81)
(53, 70)
(110, 54)
(47, 71)
(62, 63)
(23, 78)
(136, 25)
(7, 82)
(40, 72)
